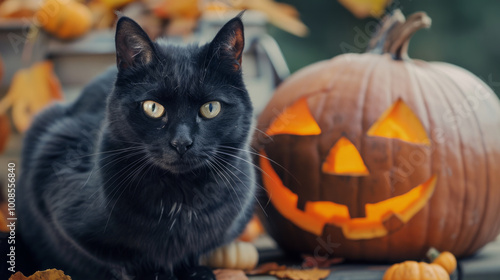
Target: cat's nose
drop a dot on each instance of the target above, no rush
(182, 145)
(182, 140)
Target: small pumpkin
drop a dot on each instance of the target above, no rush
(65, 19)
(252, 230)
(415, 271)
(445, 259)
(380, 154)
(236, 255)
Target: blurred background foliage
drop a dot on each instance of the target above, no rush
(464, 33)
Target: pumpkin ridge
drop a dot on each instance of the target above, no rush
(480, 229)
(457, 135)
(493, 233)
(417, 87)
(390, 149)
(367, 79)
(470, 237)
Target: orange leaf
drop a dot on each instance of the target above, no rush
(115, 4)
(49, 274)
(175, 9)
(266, 268)
(19, 9)
(302, 274)
(366, 8)
(31, 90)
(4, 132)
(3, 223)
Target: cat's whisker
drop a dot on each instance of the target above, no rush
(236, 88)
(107, 152)
(221, 172)
(239, 170)
(265, 157)
(124, 171)
(214, 169)
(256, 166)
(224, 169)
(269, 137)
(131, 175)
(115, 160)
(248, 188)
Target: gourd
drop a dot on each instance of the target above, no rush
(236, 255)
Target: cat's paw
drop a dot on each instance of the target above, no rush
(197, 273)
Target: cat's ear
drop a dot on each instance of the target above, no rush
(133, 46)
(230, 41)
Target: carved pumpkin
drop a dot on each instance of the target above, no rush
(377, 156)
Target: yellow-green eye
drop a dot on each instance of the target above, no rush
(210, 109)
(153, 109)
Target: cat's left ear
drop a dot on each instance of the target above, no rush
(133, 46)
(230, 41)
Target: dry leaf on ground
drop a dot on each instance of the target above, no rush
(302, 274)
(49, 274)
(30, 91)
(311, 261)
(265, 268)
(230, 274)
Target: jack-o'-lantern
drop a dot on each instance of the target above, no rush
(377, 156)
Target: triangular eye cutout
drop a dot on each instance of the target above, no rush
(344, 159)
(295, 120)
(400, 122)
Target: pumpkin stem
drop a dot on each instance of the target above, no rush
(432, 254)
(395, 33)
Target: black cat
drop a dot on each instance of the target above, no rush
(148, 169)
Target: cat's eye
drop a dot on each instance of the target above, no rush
(153, 109)
(210, 109)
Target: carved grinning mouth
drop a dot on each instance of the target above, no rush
(381, 218)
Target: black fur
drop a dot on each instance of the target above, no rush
(105, 195)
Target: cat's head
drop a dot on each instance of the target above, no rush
(181, 104)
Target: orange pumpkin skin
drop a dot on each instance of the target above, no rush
(346, 96)
(447, 261)
(415, 271)
(65, 19)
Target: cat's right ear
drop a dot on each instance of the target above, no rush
(133, 46)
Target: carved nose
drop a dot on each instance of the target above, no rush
(182, 145)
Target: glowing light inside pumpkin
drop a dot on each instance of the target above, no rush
(344, 159)
(295, 120)
(319, 213)
(400, 122)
